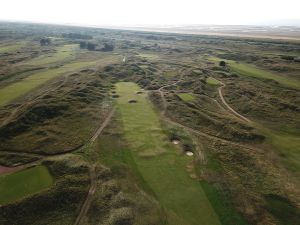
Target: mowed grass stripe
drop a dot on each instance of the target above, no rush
(12, 47)
(252, 71)
(62, 53)
(15, 90)
(159, 162)
(24, 183)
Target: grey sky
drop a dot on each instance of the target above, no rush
(154, 12)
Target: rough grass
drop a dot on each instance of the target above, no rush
(23, 183)
(159, 163)
(149, 56)
(62, 53)
(252, 71)
(283, 210)
(187, 97)
(15, 90)
(11, 47)
(212, 81)
(287, 145)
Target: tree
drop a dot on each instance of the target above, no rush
(91, 46)
(45, 41)
(222, 63)
(108, 47)
(83, 44)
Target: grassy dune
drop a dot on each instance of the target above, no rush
(62, 53)
(20, 88)
(286, 144)
(26, 182)
(252, 71)
(11, 47)
(15, 90)
(160, 164)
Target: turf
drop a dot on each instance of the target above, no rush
(222, 206)
(287, 145)
(187, 97)
(62, 53)
(252, 71)
(283, 210)
(23, 183)
(11, 47)
(149, 56)
(212, 81)
(17, 89)
(159, 162)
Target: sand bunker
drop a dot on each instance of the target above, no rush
(188, 153)
(175, 141)
(5, 170)
(132, 101)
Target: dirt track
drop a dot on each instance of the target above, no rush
(89, 198)
(197, 132)
(103, 125)
(228, 106)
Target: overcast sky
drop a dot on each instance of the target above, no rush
(152, 12)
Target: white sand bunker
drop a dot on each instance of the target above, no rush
(188, 153)
(175, 142)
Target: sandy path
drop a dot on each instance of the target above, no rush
(228, 106)
(89, 198)
(103, 125)
(197, 132)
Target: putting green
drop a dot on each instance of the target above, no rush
(187, 97)
(212, 81)
(162, 167)
(24, 183)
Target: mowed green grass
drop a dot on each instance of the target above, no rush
(159, 164)
(11, 47)
(24, 183)
(187, 97)
(252, 71)
(62, 53)
(212, 81)
(15, 90)
(287, 145)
